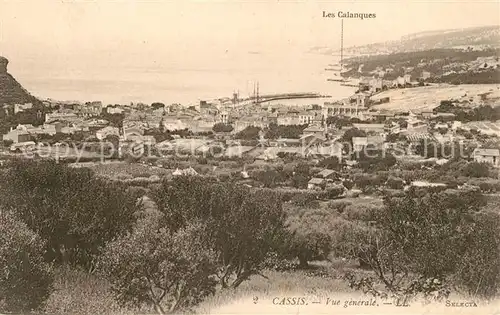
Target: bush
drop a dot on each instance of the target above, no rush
(7, 143)
(475, 169)
(479, 269)
(333, 192)
(362, 212)
(25, 279)
(311, 246)
(395, 183)
(306, 199)
(338, 206)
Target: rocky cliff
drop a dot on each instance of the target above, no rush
(11, 92)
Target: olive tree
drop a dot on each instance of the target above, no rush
(75, 211)
(153, 266)
(242, 225)
(423, 243)
(25, 279)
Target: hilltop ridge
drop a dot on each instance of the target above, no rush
(11, 91)
(477, 38)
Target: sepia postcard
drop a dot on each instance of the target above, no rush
(249, 157)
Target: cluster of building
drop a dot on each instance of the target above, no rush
(318, 138)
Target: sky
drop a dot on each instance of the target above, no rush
(123, 29)
(84, 36)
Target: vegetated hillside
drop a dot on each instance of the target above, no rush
(444, 65)
(477, 38)
(11, 92)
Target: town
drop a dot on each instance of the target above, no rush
(127, 187)
(258, 131)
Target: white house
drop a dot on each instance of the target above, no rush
(491, 156)
(107, 131)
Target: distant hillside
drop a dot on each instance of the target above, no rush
(438, 66)
(477, 38)
(11, 92)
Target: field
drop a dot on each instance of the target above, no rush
(426, 98)
(81, 293)
(123, 170)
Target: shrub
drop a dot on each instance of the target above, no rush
(7, 143)
(332, 192)
(395, 183)
(25, 279)
(479, 268)
(338, 206)
(475, 169)
(362, 212)
(311, 246)
(306, 199)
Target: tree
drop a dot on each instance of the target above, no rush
(284, 131)
(269, 178)
(375, 160)
(475, 169)
(331, 163)
(72, 209)
(115, 120)
(242, 224)
(7, 143)
(308, 246)
(160, 268)
(421, 244)
(221, 127)
(300, 175)
(249, 133)
(25, 279)
(157, 105)
(351, 133)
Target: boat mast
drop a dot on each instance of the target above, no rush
(341, 45)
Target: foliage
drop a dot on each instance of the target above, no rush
(351, 133)
(7, 143)
(466, 114)
(333, 191)
(169, 270)
(157, 105)
(331, 163)
(427, 237)
(242, 224)
(249, 133)
(308, 246)
(431, 149)
(72, 209)
(221, 127)
(284, 131)
(269, 178)
(339, 122)
(305, 199)
(115, 120)
(395, 182)
(300, 175)
(25, 279)
(475, 169)
(375, 160)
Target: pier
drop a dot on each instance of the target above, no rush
(283, 96)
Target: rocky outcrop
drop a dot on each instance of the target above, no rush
(3, 64)
(11, 92)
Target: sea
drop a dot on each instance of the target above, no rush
(187, 83)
